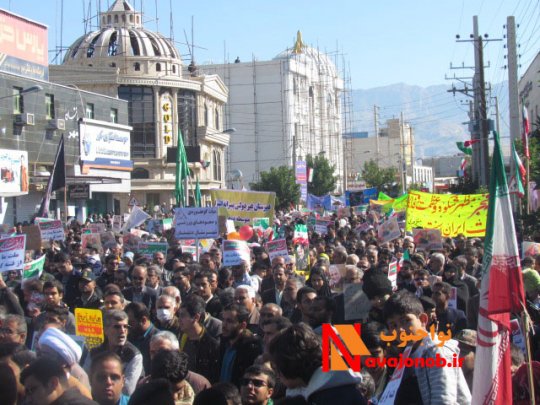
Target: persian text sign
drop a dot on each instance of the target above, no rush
(452, 214)
(147, 249)
(89, 323)
(12, 253)
(234, 252)
(277, 248)
(243, 206)
(52, 230)
(196, 223)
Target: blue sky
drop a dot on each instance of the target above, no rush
(378, 42)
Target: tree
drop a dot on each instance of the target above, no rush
(281, 181)
(324, 180)
(382, 179)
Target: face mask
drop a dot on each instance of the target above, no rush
(164, 315)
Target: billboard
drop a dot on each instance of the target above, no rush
(104, 146)
(13, 172)
(23, 46)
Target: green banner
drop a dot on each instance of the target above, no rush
(34, 268)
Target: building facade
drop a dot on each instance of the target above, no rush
(282, 110)
(123, 59)
(393, 147)
(529, 90)
(34, 115)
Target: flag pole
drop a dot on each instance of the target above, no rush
(526, 323)
(528, 210)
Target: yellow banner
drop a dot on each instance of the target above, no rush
(89, 323)
(452, 214)
(243, 206)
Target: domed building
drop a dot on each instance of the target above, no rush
(283, 110)
(123, 59)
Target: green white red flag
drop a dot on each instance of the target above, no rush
(501, 293)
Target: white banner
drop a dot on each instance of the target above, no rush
(12, 253)
(196, 223)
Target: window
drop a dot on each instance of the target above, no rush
(187, 116)
(141, 116)
(49, 106)
(18, 102)
(140, 173)
(174, 68)
(158, 67)
(216, 118)
(114, 115)
(116, 19)
(137, 66)
(217, 165)
(206, 115)
(89, 111)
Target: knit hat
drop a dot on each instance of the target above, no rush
(62, 344)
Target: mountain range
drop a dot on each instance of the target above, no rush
(438, 116)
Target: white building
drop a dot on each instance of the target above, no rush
(529, 90)
(123, 59)
(282, 110)
(392, 148)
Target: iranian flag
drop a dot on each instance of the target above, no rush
(501, 293)
(525, 130)
(518, 178)
(34, 268)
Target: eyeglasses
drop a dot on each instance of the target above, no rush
(255, 382)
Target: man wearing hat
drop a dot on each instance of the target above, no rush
(90, 295)
(467, 347)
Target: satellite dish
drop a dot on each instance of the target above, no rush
(236, 174)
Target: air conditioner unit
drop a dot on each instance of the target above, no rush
(57, 123)
(25, 119)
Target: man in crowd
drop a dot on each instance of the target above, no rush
(141, 330)
(107, 380)
(139, 292)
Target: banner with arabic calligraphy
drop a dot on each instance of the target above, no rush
(243, 206)
(452, 214)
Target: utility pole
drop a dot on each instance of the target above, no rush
(403, 163)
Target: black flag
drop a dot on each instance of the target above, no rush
(57, 179)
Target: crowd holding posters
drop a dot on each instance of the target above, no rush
(427, 239)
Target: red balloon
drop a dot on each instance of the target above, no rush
(246, 232)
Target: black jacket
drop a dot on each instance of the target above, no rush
(214, 307)
(203, 356)
(148, 296)
(248, 347)
(72, 396)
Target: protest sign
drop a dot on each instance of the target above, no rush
(89, 323)
(390, 391)
(529, 249)
(147, 249)
(262, 223)
(337, 271)
(244, 206)
(196, 223)
(12, 253)
(517, 335)
(360, 209)
(300, 236)
(97, 227)
(34, 268)
(427, 239)
(51, 230)
(167, 224)
(234, 252)
(136, 218)
(301, 256)
(91, 239)
(388, 230)
(117, 223)
(39, 220)
(130, 242)
(229, 226)
(392, 274)
(33, 237)
(190, 249)
(356, 303)
(321, 227)
(452, 214)
(277, 248)
(363, 227)
(108, 241)
(344, 212)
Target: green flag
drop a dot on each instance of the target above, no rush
(461, 146)
(34, 268)
(182, 171)
(198, 197)
(384, 197)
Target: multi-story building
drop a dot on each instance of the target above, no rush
(529, 90)
(393, 147)
(283, 110)
(123, 59)
(35, 113)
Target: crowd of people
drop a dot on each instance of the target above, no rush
(183, 331)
